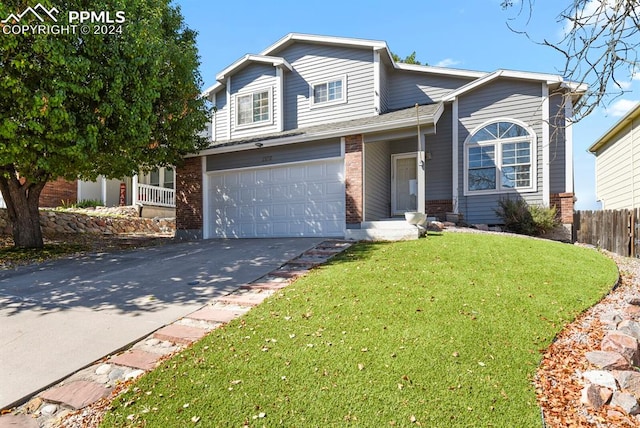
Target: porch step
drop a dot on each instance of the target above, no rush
(383, 231)
(394, 224)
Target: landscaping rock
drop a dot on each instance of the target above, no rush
(630, 327)
(595, 396)
(632, 311)
(625, 345)
(626, 402)
(611, 319)
(607, 360)
(116, 374)
(103, 369)
(435, 226)
(601, 378)
(123, 220)
(49, 410)
(629, 381)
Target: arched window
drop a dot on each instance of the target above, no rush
(500, 157)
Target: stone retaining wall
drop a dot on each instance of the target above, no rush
(106, 221)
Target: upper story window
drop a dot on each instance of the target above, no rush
(500, 157)
(329, 92)
(253, 108)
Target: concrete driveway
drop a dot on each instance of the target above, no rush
(58, 317)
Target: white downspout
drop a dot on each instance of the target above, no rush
(454, 155)
(546, 182)
(421, 175)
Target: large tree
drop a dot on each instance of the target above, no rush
(111, 99)
(599, 43)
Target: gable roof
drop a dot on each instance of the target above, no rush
(291, 38)
(239, 64)
(275, 61)
(633, 114)
(523, 75)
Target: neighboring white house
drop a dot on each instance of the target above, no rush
(154, 192)
(618, 163)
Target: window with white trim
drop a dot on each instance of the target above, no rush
(499, 158)
(328, 92)
(253, 108)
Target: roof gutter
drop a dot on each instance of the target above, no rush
(617, 127)
(306, 136)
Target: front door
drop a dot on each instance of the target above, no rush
(403, 183)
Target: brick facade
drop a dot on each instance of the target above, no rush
(564, 204)
(189, 198)
(353, 178)
(59, 192)
(439, 208)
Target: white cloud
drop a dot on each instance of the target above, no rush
(447, 62)
(620, 107)
(625, 85)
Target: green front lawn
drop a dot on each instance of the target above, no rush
(441, 332)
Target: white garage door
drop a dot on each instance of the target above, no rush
(303, 199)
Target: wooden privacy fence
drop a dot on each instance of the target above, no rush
(617, 231)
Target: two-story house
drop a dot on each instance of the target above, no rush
(329, 136)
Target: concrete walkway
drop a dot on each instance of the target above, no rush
(58, 317)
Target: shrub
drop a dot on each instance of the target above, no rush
(85, 203)
(544, 218)
(520, 217)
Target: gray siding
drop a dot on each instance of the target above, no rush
(557, 146)
(275, 155)
(255, 77)
(315, 64)
(618, 170)
(385, 74)
(221, 116)
(377, 178)
(408, 88)
(502, 99)
(438, 168)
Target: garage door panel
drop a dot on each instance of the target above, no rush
(316, 189)
(334, 189)
(280, 201)
(297, 173)
(278, 175)
(298, 191)
(296, 211)
(280, 212)
(315, 172)
(247, 195)
(263, 177)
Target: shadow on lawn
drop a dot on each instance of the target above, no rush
(364, 250)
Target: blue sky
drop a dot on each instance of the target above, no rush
(468, 34)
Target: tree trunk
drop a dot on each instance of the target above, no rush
(22, 200)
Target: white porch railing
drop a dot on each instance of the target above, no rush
(155, 195)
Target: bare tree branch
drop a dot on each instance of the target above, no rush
(599, 44)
